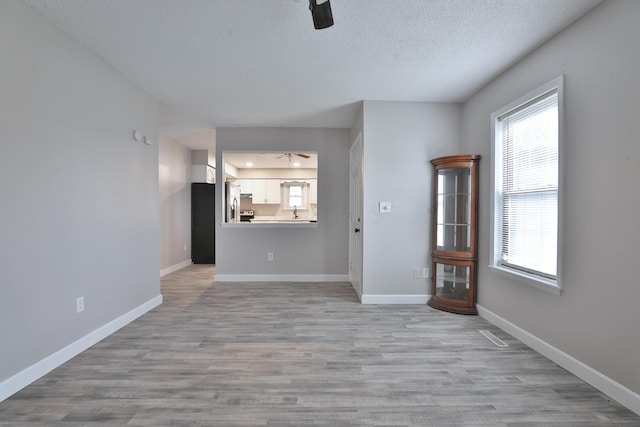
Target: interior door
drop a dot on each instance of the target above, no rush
(355, 216)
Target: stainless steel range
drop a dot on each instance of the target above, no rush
(246, 207)
(246, 216)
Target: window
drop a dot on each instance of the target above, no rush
(295, 196)
(526, 160)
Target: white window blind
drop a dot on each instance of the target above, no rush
(529, 188)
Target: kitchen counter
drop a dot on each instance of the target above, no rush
(275, 221)
(281, 220)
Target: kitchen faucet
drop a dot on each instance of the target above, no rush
(295, 212)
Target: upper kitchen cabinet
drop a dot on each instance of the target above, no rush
(271, 192)
(265, 191)
(313, 191)
(246, 185)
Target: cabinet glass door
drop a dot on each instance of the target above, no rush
(453, 210)
(453, 281)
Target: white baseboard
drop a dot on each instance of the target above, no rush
(175, 267)
(281, 277)
(608, 386)
(28, 375)
(394, 299)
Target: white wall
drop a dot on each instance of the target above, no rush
(400, 138)
(79, 198)
(596, 319)
(293, 173)
(307, 251)
(175, 203)
(200, 157)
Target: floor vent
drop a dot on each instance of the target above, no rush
(494, 339)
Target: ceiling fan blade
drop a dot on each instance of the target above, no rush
(304, 156)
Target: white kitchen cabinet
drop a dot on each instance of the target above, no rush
(259, 191)
(313, 191)
(246, 185)
(272, 191)
(265, 191)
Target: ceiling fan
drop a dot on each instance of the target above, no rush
(291, 155)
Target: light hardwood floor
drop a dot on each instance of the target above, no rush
(295, 354)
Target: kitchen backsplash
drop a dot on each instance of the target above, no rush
(278, 212)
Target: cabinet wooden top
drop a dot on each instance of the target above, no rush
(454, 159)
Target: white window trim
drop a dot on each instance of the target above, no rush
(305, 195)
(549, 285)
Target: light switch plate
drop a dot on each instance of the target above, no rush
(385, 207)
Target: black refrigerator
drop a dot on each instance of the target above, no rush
(203, 223)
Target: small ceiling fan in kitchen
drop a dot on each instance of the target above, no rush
(292, 155)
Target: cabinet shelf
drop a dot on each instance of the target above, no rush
(452, 279)
(454, 233)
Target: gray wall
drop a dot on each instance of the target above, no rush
(321, 250)
(357, 126)
(175, 202)
(399, 140)
(79, 198)
(596, 318)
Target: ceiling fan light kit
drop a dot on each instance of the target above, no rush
(321, 14)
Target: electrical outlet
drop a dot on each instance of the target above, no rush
(425, 273)
(417, 274)
(79, 304)
(384, 207)
(185, 248)
(269, 256)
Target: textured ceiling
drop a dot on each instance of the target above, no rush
(216, 63)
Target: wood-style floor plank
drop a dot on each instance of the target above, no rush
(296, 354)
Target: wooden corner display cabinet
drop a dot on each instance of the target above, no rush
(454, 233)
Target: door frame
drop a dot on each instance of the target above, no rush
(356, 221)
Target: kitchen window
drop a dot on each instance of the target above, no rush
(296, 194)
(527, 147)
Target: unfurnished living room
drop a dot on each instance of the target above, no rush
(291, 212)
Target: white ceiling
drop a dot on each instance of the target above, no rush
(222, 63)
(271, 160)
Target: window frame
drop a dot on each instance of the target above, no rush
(304, 195)
(554, 286)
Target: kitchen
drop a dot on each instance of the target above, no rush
(271, 188)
